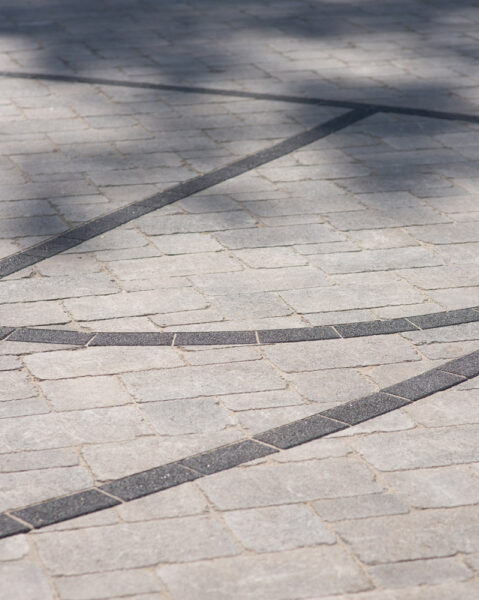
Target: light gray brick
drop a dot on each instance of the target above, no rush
(331, 354)
(156, 225)
(278, 528)
(33, 313)
(63, 364)
(452, 407)
(181, 501)
(25, 580)
(270, 258)
(27, 487)
(359, 507)
(43, 459)
(251, 306)
(277, 236)
(420, 572)
(319, 386)
(210, 380)
(185, 243)
(278, 576)
(107, 585)
(15, 385)
(260, 280)
(435, 488)
(420, 448)
(347, 298)
(51, 288)
(133, 545)
(84, 392)
(265, 485)
(187, 416)
(422, 534)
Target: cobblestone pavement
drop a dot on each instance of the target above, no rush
(303, 174)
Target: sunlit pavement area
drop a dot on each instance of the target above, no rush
(239, 300)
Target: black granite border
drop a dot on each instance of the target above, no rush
(91, 229)
(258, 446)
(287, 98)
(233, 338)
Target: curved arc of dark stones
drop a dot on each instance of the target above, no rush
(246, 337)
(269, 442)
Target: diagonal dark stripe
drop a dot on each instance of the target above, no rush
(77, 235)
(189, 89)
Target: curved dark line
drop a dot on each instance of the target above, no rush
(248, 337)
(77, 235)
(401, 110)
(318, 425)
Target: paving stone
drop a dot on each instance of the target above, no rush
(435, 488)
(34, 313)
(85, 392)
(187, 416)
(359, 507)
(14, 548)
(106, 585)
(26, 580)
(364, 408)
(52, 288)
(277, 236)
(181, 501)
(213, 356)
(63, 509)
(64, 364)
(279, 576)
(331, 354)
(451, 407)
(260, 280)
(242, 306)
(210, 380)
(278, 528)
(350, 298)
(259, 400)
(419, 572)
(265, 485)
(226, 457)
(419, 448)
(43, 459)
(135, 304)
(20, 408)
(118, 459)
(269, 258)
(15, 385)
(183, 539)
(377, 260)
(25, 487)
(425, 534)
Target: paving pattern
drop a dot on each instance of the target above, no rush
(239, 303)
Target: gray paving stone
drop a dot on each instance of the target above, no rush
(135, 304)
(331, 354)
(435, 488)
(277, 236)
(20, 408)
(42, 459)
(25, 487)
(294, 574)
(265, 485)
(14, 548)
(278, 528)
(210, 380)
(300, 431)
(51, 288)
(137, 583)
(425, 534)
(184, 539)
(364, 409)
(27, 580)
(451, 407)
(359, 507)
(226, 457)
(260, 280)
(347, 298)
(63, 509)
(85, 392)
(377, 260)
(187, 416)
(419, 448)
(15, 385)
(65, 364)
(181, 501)
(420, 572)
(424, 384)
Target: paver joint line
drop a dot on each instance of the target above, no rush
(262, 444)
